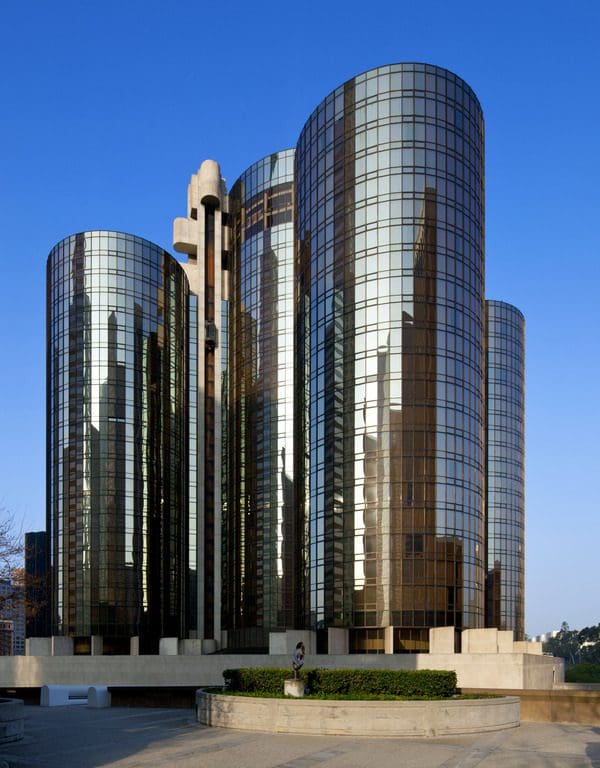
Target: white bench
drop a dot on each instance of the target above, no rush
(63, 695)
(95, 696)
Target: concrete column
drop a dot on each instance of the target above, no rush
(277, 644)
(505, 641)
(441, 640)
(168, 646)
(209, 645)
(62, 646)
(97, 645)
(38, 646)
(480, 641)
(190, 647)
(389, 640)
(134, 646)
(338, 641)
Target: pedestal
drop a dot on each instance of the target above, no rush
(293, 688)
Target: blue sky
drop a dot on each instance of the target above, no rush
(107, 108)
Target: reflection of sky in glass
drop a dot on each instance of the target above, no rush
(413, 139)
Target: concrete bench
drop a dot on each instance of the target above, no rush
(63, 695)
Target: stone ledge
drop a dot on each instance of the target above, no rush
(12, 720)
(358, 718)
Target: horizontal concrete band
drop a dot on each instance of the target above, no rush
(478, 670)
(358, 718)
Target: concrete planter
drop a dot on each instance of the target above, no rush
(12, 720)
(358, 718)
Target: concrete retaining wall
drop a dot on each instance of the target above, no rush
(559, 706)
(358, 718)
(510, 671)
(12, 720)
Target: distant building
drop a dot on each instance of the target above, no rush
(6, 637)
(36, 585)
(12, 594)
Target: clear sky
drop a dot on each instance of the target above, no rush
(107, 108)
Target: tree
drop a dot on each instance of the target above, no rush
(11, 557)
(575, 646)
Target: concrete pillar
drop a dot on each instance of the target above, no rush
(389, 639)
(190, 647)
(134, 646)
(441, 640)
(528, 646)
(277, 644)
(38, 646)
(97, 645)
(168, 646)
(480, 641)
(209, 645)
(338, 641)
(62, 646)
(505, 641)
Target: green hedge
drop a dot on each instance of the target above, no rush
(354, 682)
(583, 673)
(256, 680)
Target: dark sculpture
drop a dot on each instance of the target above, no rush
(298, 659)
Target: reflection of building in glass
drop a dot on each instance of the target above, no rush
(258, 531)
(36, 584)
(117, 460)
(390, 343)
(505, 439)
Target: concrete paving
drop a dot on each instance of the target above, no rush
(77, 737)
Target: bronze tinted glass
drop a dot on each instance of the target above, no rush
(389, 367)
(259, 538)
(117, 453)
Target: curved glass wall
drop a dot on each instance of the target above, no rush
(259, 536)
(505, 574)
(390, 336)
(117, 459)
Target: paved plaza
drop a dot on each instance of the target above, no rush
(77, 737)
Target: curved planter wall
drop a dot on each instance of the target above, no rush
(12, 720)
(358, 718)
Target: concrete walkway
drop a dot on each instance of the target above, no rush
(77, 737)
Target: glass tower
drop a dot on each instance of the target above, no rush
(505, 440)
(389, 359)
(117, 461)
(259, 534)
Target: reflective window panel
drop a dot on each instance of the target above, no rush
(117, 438)
(259, 544)
(505, 438)
(389, 451)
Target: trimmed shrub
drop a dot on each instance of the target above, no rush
(256, 680)
(422, 683)
(400, 682)
(583, 673)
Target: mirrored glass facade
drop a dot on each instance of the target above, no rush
(259, 534)
(389, 367)
(505, 433)
(117, 438)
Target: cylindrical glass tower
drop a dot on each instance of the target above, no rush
(389, 367)
(505, 386)
(117, 461)
(259, 533)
